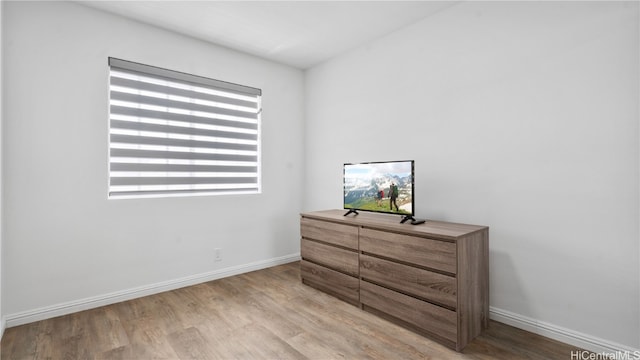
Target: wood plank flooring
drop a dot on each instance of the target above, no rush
(266, 314)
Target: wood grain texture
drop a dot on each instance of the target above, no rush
(266, 314)
(342, 260)
(336, 234)
(429, 253)
(431, 228)
(434, 287)
(428, 317)
(473, 285)
(335, 283)
(441, 267)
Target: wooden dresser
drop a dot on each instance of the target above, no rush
(432, 278)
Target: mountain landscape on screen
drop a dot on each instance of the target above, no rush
(368, 187)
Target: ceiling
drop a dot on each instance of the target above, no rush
(297, 33)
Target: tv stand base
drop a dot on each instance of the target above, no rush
(414, 221)
(407, 217)
(351, 211)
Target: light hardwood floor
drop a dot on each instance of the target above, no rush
(266, 314)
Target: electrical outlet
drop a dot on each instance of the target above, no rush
(217, 254)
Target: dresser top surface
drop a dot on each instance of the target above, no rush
(432, 228)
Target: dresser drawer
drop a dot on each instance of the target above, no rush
(329, 232)
(434, 254)
(335, 283)
(339, 259)
(438, 288)
(433, 319)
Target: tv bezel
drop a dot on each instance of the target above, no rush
(413, 194)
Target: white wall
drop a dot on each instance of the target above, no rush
(65, 243)
(522, 116)
(2, 321)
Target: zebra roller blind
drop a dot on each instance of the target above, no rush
(173, 134)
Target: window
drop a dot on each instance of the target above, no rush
(175, 134)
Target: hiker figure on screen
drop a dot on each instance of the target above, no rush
(379, 196)
(393, 195)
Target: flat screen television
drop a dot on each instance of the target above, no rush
(383, 187)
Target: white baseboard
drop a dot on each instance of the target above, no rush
(52, 311)
(3, 325)
(567, 336)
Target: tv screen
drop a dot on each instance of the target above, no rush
(385, 187)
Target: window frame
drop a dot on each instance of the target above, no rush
(174, 134)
